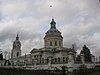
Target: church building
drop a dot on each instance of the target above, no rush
(52, 56)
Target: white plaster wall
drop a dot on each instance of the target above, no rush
(53, 39)
(15, 53)
(60, 54)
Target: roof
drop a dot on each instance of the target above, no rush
(53, 31)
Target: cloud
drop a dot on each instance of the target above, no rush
(78, 20)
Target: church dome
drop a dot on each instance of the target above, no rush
(53, 37)
(53, 31)
(17, 42)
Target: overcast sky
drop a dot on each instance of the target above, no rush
(78, 20)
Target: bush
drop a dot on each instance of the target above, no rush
(83, 69)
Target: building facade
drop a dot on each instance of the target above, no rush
(52, 56)
(16, 49)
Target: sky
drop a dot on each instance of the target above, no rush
(78, 20)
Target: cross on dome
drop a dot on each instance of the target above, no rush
(17, 38)
(53, 24)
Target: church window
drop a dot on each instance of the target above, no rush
(34, 56)
(17, 54)
(42, 60)
(47, 60)
(18, 45)
(50, 43)
(58, 59)
(66, 59)
(59, 43)
(15, 46)
(55, 43)
(37, 56)
(63, 59)
(55, 59)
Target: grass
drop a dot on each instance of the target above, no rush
(94, 73)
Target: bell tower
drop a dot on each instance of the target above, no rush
(16, 50)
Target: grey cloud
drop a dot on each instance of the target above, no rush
(78, 21)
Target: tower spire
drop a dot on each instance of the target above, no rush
(53, 23)
(17, 37)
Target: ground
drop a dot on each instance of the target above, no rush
(94, 73)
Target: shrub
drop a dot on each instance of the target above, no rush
(83, 69)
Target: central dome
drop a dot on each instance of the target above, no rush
(53, 38)
(53, 31)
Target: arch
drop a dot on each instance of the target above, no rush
(58, 59)
(42, 60)
(17, 54)
(55, 43)
(66, 59)
(59, 43)
(50, 43)
(15, 46)
(55, 59)
(63, 59)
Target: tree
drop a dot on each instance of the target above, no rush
(1, 56)
(64, 69)
(78, 58)
(87, 54)
(83, 69)
(74, 47)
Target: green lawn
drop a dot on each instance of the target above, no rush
(94, 73)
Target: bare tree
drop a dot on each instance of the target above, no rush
(5, 54)
(8, 55)
(0, 51)
(74, 47)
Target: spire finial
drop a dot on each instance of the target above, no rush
(53, 23)
(17, 37)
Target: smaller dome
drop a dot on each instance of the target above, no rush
(17, 40)
(53, 32)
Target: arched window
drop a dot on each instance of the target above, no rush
(34, 56)
(47, 60)
(55, 59)
(15, 46)
(66, 59)
(63, 59)
(17, 54)
(55, 43)
(50, 43)
(58, 59)
(42, 60)
(18, 45)
(59, 43)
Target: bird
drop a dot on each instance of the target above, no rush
(50, 5)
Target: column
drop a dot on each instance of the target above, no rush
(49, 62)
(70, 61)
(82, 58)
(93, 58)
